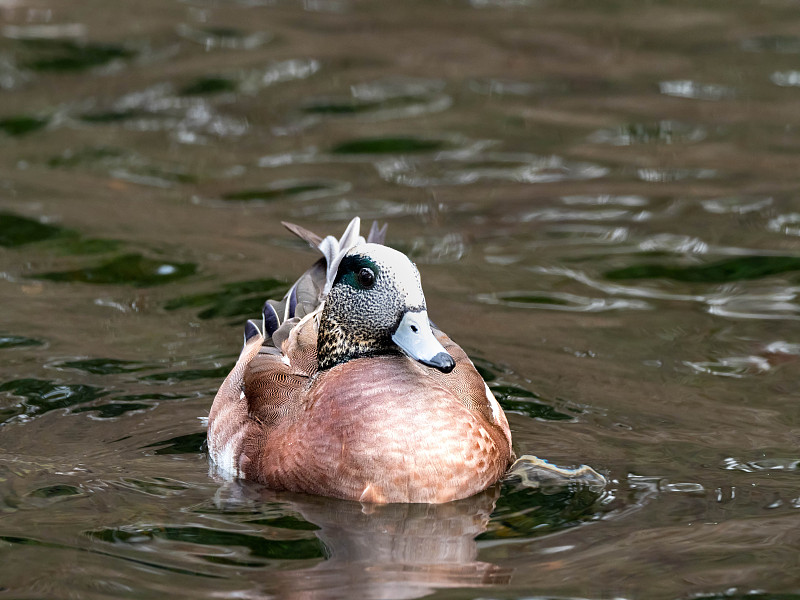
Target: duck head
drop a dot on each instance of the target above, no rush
(376, 306)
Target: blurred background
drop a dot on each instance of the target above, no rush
(602, 199)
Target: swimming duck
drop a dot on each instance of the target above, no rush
(346, 389)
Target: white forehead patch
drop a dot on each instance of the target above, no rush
(397, 267)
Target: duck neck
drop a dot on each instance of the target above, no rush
(338, 343)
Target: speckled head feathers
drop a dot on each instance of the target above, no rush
(374, 287)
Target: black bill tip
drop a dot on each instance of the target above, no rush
(442, 361)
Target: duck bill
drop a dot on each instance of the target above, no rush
(415, 337)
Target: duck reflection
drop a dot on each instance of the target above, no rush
(396, 551)
(403, 551)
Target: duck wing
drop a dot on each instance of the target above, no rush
(470, 388)
(279, 357)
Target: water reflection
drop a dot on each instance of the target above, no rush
(383, 551)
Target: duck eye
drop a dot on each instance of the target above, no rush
(366, 278)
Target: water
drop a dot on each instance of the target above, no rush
(601, 197)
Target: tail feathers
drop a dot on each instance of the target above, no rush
(334, 251)
(251, 329)
(270, 319)
(312, 238)
(377, 235)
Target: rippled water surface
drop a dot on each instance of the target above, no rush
(602, 198)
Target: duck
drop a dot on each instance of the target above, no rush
(345, 388)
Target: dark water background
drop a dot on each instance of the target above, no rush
(603, 201)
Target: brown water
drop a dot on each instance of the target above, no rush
(602, 198)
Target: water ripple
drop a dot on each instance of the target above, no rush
(788, 224)
(571, 233)
(511, 87)
(781, 347)
(738, 205)
(557, 214)
(187, 118)
(734, 366)
(48, 31)
(668, 242)
(639, 291)
(685, 88)
(296, 189)
(279, 72)
(439, 249)
(11, 77)
(667, 175)
(381, 100)
(375, 150)
(606, 200)
(782, 44)
(341, 209)
(786, 78)
(450, 168)
(560, 301)
(661, 132)
(503, 3)
(764, 464)
(219, 37)
(777, 303)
